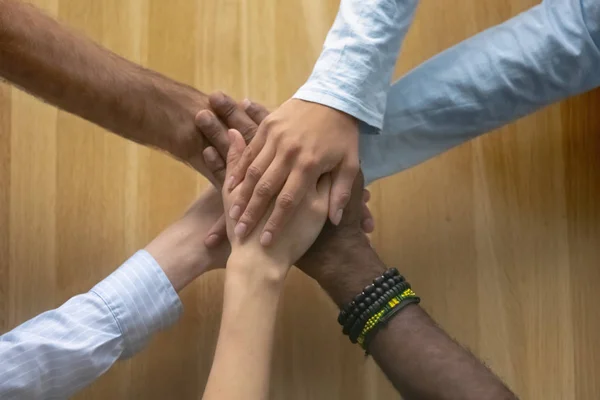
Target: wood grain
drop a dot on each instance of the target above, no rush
(500, 236)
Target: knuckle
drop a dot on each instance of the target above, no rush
(264, 190)
(253, 173)
(309, 164)
(286, 201)
(292, 149)
(353, 167)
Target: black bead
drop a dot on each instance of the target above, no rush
(342, 317)
(355, 313)
(361, 306)
(368, 301)
(385, 286)
(374, 296)
(379, 280)
(399, 278)
(369, 289)
(389, 273)
(360, 297)
(379, 291)
(391, 282)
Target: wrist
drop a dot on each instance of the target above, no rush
(344, 267)
(178, 254)
(256, 268)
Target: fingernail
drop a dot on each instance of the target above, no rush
(338, 216)
(211, 241)
(235, 212)
(230, 183)
(369, 225)
(266, 238)
(211, 156)
(246, 103)
(240, 230)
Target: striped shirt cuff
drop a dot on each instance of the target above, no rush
(141, 299)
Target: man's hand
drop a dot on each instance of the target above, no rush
(245, 118)
(293, 147)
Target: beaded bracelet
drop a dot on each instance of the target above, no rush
(359, 324)
(391, 308)
(371, 309)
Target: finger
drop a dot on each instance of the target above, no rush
(255, 111)
(366, 195)
(324, 189)
(250, 154)
(217, 234)
(209, 125)
(367, 223)
(237, 148)
(233, 115)
(253, 175)
(292, 194)
(262, 195)
(215, 165)
(341, 189)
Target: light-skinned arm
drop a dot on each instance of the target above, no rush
(316, 132)
(63, 350)
(253, 284)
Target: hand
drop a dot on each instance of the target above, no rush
(293, 147)
(179, 249)
(324, 257)
(245, 118)
(296, 237)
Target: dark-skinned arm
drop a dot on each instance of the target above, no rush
(416, 355)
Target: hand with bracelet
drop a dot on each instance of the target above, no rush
(418, 357)
(254, 281)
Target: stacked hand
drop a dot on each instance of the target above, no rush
(293, 147)
(245, 118)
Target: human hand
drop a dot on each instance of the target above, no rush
(323, 258)
(245, 118)
(292, 148)
(296, 237)
(179, 249)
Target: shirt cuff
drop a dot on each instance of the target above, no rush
(141, 299)
(348, 104)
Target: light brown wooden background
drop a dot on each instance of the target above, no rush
(501, 237)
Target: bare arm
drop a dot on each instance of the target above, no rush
(417, 356)
(254, 280)
(70, 71)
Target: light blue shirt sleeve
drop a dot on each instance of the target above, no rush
(60, 351)
(539, 57)
(354, 70)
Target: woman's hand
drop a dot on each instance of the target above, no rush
(296, 237)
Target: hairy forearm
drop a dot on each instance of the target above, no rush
(419, 358)
(73, 73)
(241, 366)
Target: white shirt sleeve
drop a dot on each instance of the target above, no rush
(355, 68)
(61, 351)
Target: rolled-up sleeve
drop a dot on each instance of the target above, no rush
(61, 351)
(354, 70)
